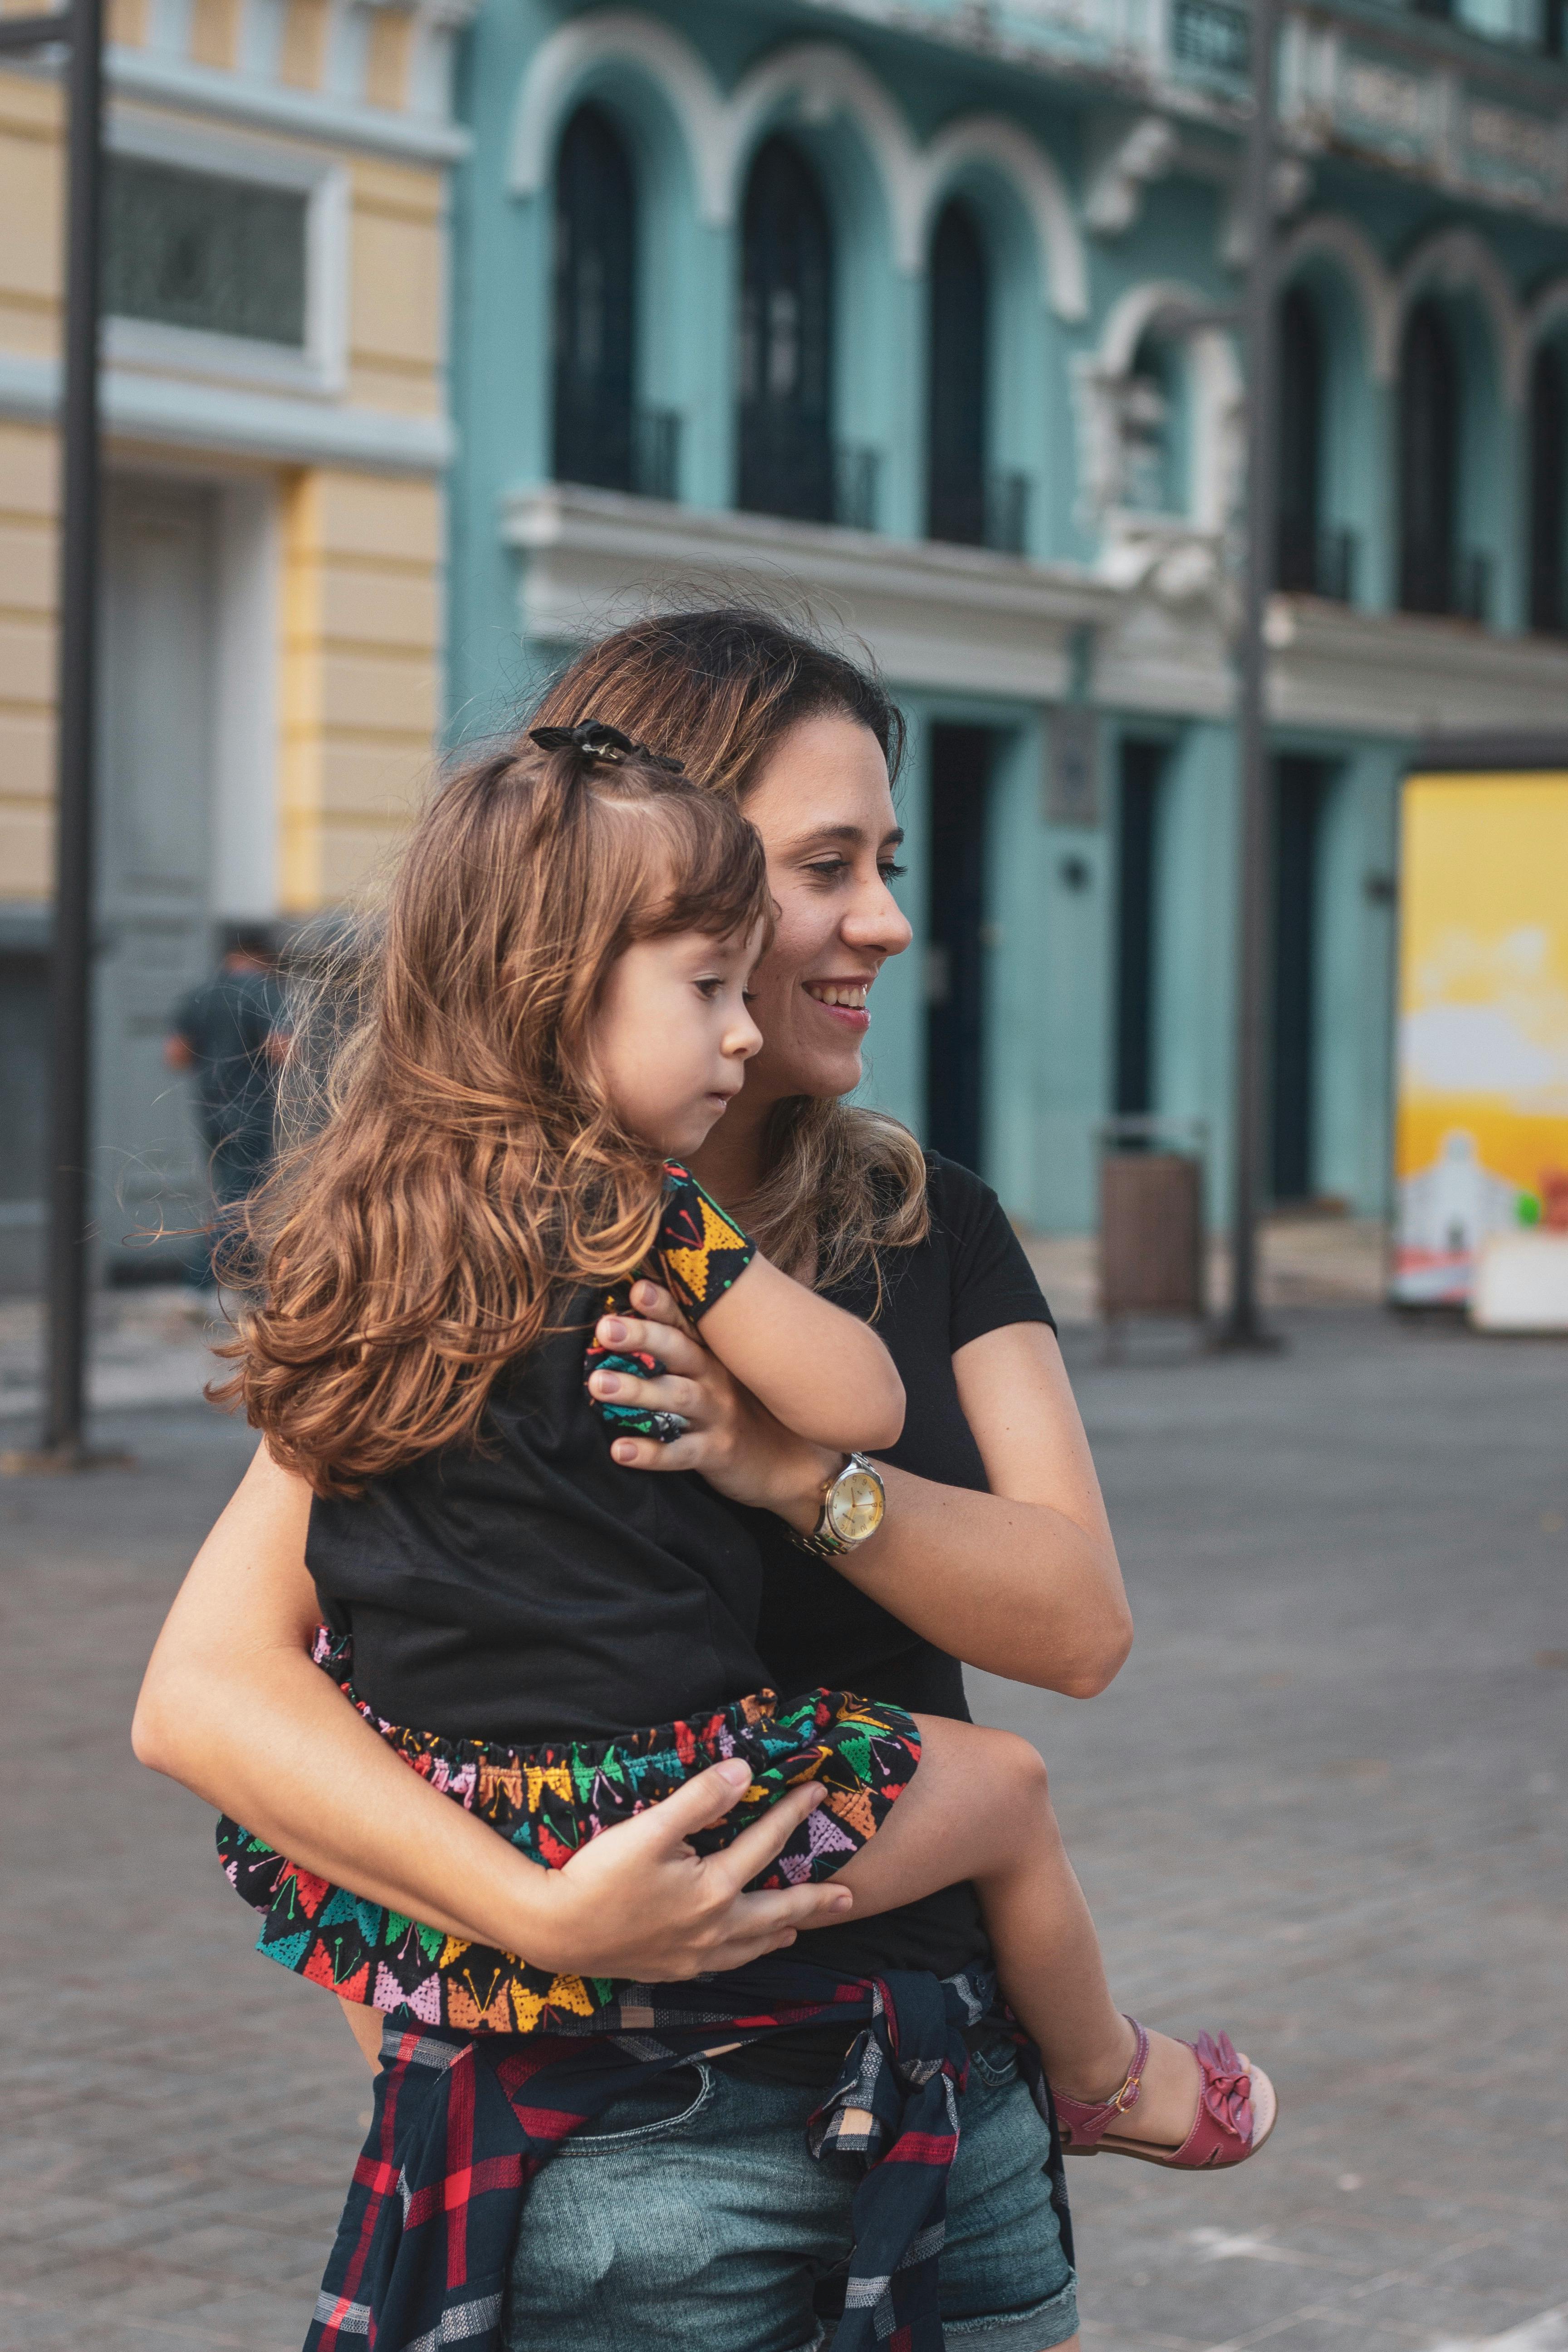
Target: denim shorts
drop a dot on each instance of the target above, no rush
(691, 2217)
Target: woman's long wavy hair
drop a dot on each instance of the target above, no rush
(719, 689)
(466, 1171)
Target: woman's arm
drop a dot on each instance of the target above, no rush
(233, 1707)
(823, 1374)
(1023, 1581)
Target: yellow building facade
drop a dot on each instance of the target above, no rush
(277, 435)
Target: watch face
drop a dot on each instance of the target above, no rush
(855, 1507)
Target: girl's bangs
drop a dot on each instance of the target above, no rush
(722, 869)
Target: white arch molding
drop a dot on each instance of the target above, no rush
(1002, 147)
(821, 81)
(1329, 238)
(564, 63)
(1459, 261)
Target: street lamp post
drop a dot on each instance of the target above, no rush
(1243, 1327)
(81, 31)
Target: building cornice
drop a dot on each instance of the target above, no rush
(959, 617)
(958, 620)
(1483, 121)
(226, 419)
(238, 97)
(1401, 675)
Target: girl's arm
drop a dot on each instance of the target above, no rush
(1023, 1581)
(821, 1372)
(233, 1707)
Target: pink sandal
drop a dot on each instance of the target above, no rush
(1236, 2109)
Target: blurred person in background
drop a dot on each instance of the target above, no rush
(230, 1035)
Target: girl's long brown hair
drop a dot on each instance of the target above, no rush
(466, 1171)
(719, 689)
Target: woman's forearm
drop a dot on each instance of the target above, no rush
(265, 1743)
(1017, 1588)
(1022, 1580)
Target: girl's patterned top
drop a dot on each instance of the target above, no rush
(549, 1802)
(699, 1253)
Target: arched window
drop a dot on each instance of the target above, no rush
(957, 376)
(786, 340)
(1429, 463)
(596, 304)
(1300, 441)
(1152, 431)
(1548, 483)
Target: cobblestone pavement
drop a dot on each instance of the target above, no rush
(1326, 1805)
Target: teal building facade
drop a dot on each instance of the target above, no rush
(917, 312)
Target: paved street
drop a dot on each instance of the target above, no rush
(1326, 1805)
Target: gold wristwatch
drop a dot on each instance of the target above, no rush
(853, 1503)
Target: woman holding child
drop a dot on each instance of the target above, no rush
(607, 1036)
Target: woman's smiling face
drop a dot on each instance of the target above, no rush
(825, 810)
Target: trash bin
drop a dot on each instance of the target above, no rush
(1150, 1220)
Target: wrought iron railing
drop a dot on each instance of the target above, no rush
(1317, 562)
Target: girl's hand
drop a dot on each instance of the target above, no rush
(736, 1444)
(638, 1903)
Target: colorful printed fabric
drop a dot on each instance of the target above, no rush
(462, 2123)
(549, 1802)
(699, 1253)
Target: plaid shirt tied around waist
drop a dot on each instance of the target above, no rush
(462, 2123)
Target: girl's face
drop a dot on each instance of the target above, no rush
(825, 810)
(674, 1035)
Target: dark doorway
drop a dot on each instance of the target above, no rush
(961, 764)
(786, 340)
(1143, 765)
(956, 379)
(1300, 441)
(1429, 463)
(1299, 788)
(596, 304)
(1548, 513)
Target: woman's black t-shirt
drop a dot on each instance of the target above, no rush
(969, 1277)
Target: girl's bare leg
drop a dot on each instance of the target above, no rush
(979, 1808)
(366, 2025)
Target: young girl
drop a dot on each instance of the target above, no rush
(559, 1015)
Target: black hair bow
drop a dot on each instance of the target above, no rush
(592, 740)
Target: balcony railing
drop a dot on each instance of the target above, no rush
(1317, 564)
(991, 510)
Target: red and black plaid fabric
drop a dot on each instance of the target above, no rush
(462, 2121)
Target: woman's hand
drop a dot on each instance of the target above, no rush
(733, 1441)
(638, 1902)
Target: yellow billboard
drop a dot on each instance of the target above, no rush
(1481, 1087)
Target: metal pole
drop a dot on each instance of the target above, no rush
(70, 1060)
(1243, 1327)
